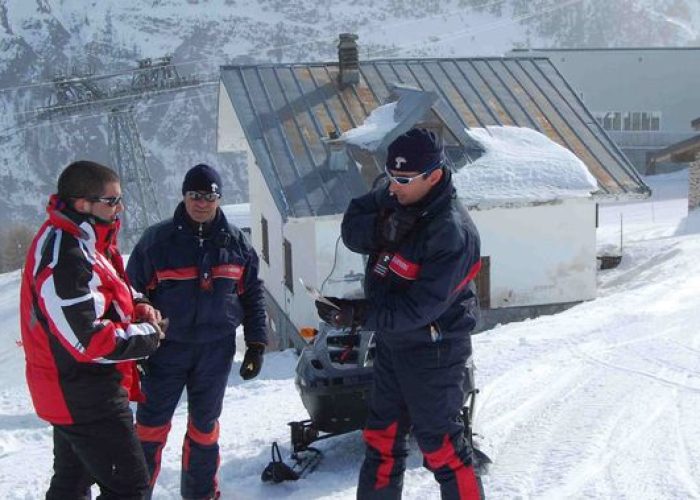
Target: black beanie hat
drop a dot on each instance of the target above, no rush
(418, 150)
(202, 178)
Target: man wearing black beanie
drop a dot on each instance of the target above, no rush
(202, 274)
(424, 252)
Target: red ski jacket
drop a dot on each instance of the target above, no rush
(75, 314)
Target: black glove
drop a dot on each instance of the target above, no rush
(394, 228)
(252, 361)
(349, 313)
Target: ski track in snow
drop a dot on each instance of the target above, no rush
(600, 401)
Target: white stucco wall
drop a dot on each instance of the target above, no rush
(229, 133)
(313, 243)
(301, 235)
(542, 254)
(539, 255)
(316, 261)
(263, 205)
(340, 271)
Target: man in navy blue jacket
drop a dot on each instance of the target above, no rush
(423, 254)
(202, 274)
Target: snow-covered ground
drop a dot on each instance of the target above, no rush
(600, 401)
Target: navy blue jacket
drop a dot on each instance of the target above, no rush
(205, 285)
(427, 280)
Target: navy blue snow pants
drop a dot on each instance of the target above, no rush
(418, 388)
(202, 369)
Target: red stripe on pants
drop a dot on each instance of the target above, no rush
(382, 440)
(466, 478)
(199, 437)
(203, 438)
(154, 435)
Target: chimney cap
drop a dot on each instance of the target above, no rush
(348, 37)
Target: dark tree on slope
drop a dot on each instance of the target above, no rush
(15, 243)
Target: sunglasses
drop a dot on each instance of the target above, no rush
(196, 196)
(111, 201)
(403, 180)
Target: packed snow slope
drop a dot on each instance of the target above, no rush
(600, 401)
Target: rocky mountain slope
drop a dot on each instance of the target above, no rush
(40, 39)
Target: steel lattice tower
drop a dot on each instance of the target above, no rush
(137, 184)
(75, 94)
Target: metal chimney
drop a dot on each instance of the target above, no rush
(348, 60)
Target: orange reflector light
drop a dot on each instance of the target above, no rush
(308, 333)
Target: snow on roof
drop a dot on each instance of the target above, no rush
(521, 165)
(373, 130)
(518, 165)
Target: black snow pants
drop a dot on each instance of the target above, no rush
(105, 452)
(418, 388)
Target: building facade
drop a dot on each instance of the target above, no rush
(645, 98)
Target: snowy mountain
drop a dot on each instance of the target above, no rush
(600, 401)
(42, 38)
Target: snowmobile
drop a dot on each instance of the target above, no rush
(334, 378)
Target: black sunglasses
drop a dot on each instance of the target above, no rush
(111, 201)
(196, 196)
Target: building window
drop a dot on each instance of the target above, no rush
(655, 120)
(636, 121)
(265, 240)
(629, 120)
(617, 121)
(288, 275)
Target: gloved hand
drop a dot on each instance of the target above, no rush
(252, 361)
(143, 311)
(394, 228)
(160, 327)
(350, 312)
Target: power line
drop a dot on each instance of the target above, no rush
(75, 118)
(139, 95)
(401, 48)
(102, 76)
(149, 93)
(217, 61)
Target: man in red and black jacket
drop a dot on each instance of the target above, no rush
(424, 252)
(202, 273)
(82, 329)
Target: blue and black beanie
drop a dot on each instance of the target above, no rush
(202, 178)
(418, 150)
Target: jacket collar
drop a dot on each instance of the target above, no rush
(85, 227)
(183, 221)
